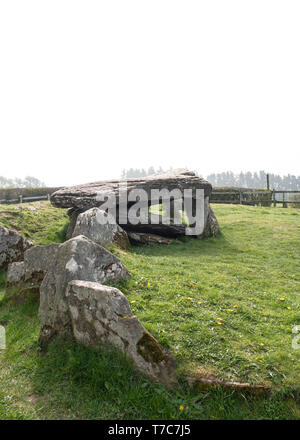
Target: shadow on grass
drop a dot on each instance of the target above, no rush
(80, 382)
(190, 246)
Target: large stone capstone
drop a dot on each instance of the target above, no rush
(90, 195)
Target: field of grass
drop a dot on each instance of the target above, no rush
(225, 307)
(44, 225)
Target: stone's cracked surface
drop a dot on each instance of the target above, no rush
(77, 259)
(101, 227)
(12, 247)
(102, 315)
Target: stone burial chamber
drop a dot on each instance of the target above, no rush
(125, 193)
(73, 279)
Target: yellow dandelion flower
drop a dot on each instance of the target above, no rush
(236, 306)
(219, 319)
(179, 287)
(189, 298)
(262, 344)
(148, 285)
(219, 322)
(282, 298)
(289, 308)
(181, 408)
(133, 301)
(199, 302)
(230, 310)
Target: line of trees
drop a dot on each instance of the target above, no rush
(140, 172)
(228, 178)
(28, 182)
(255, 180)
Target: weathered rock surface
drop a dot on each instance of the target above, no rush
(73, 214)
(143, 238)
(29, 274)
(212, 227)
(12, 247)
(150, 223)
(38, 261)
(77, 259)
(102, 315)
(101, 227)
(15, 277)
(92, 195)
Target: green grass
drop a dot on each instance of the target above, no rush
(178, 292)
(45, 225)
(240, 277)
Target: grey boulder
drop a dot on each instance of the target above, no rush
(28, 275)
(102, 315)
(101, 227)
(77, 259)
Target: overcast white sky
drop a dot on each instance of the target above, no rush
(90, 87)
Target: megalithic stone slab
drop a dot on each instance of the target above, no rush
(84, 197)
(77, 259)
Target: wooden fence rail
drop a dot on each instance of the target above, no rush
(264, 198)
(22, 199)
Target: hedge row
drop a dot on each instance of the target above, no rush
(15, 193)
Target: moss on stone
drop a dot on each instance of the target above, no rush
(149, 349)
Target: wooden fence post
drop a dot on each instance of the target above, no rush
(274, 198)
(284, 204)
